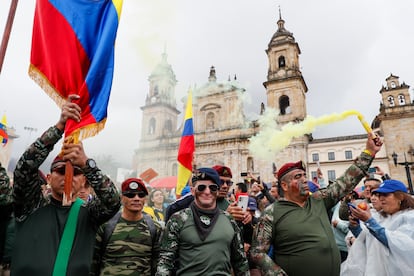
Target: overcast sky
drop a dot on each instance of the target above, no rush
(348, 50)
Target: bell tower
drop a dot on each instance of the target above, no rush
(285, 85)
(396, 123)
(395, 94)
(159, 114)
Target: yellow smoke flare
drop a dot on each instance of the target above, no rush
(271, 139)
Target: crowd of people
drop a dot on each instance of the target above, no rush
(290, 226)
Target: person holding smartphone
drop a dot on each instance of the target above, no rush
(202, 239)
(385, 246)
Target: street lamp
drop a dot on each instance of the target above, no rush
(407, 169)
(30, 130)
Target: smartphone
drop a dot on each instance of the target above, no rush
(243, 201)
(318, 164)
(350, 205)
(243, 174)
(372, 170)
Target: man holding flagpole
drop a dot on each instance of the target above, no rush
(52, 239)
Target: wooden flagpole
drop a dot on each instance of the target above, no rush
(7, 31)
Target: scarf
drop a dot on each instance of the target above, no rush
(204, 220)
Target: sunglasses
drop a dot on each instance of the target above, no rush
(62, 169)
(213, 187)
(228, 182)
(132, 194)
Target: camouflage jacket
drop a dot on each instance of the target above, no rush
(263, 237)
(130, 250)
(28, 196)
(5, 188)
(170, 244)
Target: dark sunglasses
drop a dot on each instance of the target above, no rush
(132, 194)
(228, 182)
(62, 169)
(213, 187)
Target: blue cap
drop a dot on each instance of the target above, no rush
(206, 174)
(391, 186)
(252, 204)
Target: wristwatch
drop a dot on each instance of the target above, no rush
(90, 164)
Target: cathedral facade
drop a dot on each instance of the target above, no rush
(222, 131)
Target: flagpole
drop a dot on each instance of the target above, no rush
(7, 31)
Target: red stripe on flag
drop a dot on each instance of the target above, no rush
(185, 152)
(52, 44)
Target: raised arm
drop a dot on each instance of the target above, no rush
(262, 240)
(353, 175)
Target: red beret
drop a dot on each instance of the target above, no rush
(290, 167)
(133, 185)
(58, 159)
(223, 171)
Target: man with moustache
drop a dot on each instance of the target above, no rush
(202, 239)
(297, 226)
(128, 243)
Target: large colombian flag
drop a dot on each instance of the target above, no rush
(187, 147)
(73, 53)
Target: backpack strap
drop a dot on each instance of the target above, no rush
(109, 229)
(151, 226)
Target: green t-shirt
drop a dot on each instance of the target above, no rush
(208, 257)
(305, 247)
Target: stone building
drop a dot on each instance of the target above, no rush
(396, 123)
(222, 132)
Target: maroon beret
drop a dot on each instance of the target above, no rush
(288, 167)
(133, 185)
(223, 171)
(58, 159)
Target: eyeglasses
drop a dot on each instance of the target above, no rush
(228, 182)
(133, 194)
(213, 187)
(62, 169)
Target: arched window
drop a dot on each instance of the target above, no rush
(168, 126)
(156, 90)
(282, 62)
(391, 100)
(284, 105)
(151, 127)
(401, 99)
(250, 164)
(210, 120)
